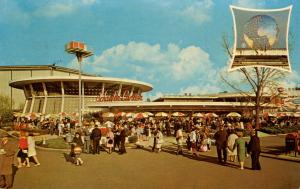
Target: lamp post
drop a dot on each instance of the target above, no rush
(80, 51)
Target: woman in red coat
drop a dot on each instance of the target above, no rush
(23, 151)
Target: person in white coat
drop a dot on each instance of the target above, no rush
(31, 149)
(231, 151)
(179, 140)
(159, 140)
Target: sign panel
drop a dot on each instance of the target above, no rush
(261, 38)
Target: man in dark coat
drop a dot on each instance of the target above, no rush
(122, 139)
(253, 148)
(95, 137)
(221, 144)
(8, 149)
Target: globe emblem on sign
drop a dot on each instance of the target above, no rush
(260, 32)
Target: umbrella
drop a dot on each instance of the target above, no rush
(34, 115)
(63, 114)
(140, 116)
(198, 115)
(161, 114)
(211, 115)
(178, 114)
(269, 114)
(281, 115)
(130, 114)
(109, 124)
(296, 114)
(233, 114)
(120, 114)
(108, 114)
(17, 114)
(149, 114)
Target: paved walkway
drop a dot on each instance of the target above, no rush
(140, 168)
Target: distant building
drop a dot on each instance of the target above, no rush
(10, 73)
(50, 89)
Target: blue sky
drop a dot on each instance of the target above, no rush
(176, 45)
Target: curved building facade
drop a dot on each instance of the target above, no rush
(55, 94)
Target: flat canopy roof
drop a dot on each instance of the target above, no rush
(22, 82)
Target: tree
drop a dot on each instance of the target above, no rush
(262, 81)
(6, 113)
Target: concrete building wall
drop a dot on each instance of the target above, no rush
(18, 95)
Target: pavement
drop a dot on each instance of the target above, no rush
(140, 168)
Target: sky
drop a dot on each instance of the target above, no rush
(175, 45)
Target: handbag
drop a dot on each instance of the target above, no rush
(110, 141)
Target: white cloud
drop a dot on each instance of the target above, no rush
(153, 96)
(170, 66)
(208, 88)
(251, 3)
(11, 11)
(54, 10)
(58, 8)
(291, 80)
(199, 11)
(143, 58)
(191, 60)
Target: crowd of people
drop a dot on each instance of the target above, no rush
(192, 135)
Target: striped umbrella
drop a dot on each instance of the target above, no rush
(140, 116)
(198, 115)
(161, 114)
(178, 114)
(233, 114)
(120, 114)
(130, 114)
(108, 114)
(211, 115)
(149, 114)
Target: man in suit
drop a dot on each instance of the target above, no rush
(221, 144)
(253, 148)
(122, 139)
(95, 137)
(8, 149)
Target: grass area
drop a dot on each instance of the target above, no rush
(57, 143)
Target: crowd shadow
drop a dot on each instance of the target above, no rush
(200, 157)
(68, 157)
(275, 150)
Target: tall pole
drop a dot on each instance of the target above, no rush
(79, 58)
(80, 50)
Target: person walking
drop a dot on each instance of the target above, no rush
(87, 139)
(95, 137)
(116, 137)
(7, 152)
(159, 140)
(179, 140)
(221, 144)
(193, 139)
(122, 139)
(155, 135)
(31, 149)
(110, 140)
(231, 151)
(23, 150)
(240, 146)
(254, 149)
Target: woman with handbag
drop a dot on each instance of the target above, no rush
(110, 140)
